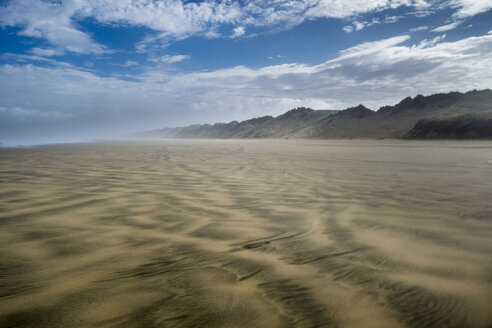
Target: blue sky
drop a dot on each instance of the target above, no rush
(75, 70)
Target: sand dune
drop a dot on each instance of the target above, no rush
(247, 233)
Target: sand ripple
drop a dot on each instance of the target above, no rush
(246, 234)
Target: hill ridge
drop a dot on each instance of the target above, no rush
(410, 118)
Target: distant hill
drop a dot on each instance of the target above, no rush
(460, 127)
(452, 115)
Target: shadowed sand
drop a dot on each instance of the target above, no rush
(252, 233)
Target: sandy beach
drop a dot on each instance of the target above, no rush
(247, 233)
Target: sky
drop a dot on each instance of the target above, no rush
(75, 70)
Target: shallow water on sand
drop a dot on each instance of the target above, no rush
(252, 233)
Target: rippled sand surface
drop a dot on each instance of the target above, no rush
(250, 233)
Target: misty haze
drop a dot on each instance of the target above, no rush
(172, 163)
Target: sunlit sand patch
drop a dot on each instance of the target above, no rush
(249, 233)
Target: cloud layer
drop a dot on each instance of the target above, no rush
(55, 21)
(63, 99)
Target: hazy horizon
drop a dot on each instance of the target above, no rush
(82, 70)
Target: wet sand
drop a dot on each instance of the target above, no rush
(253, 233)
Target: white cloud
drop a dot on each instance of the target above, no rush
(344, 9)
(18, 113)
(419, 28)
(130, 63)
(392, 19)
(367, 48)
(173, 17)
(238, 31)
(167, 59)
(46, 52)
(172, 20)
(348, 29)
(359, 25)
(447, 27)
(428, 43)
(468, 8)
(50, 21)
(33, 58)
